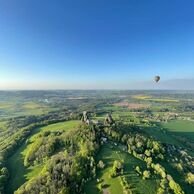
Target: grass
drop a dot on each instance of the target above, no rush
(181, 127)
(2, 125)
(9, 109)
(162, 136)
(33, 171)
(18, 172)
(164, 100)
(110, 108)
(109, 154)
(141, 97)
(149, 98)
(125, 114)
(61, 126)
(31, 105)
(5, 105)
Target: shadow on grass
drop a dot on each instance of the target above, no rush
(105, 186)
(17, 171)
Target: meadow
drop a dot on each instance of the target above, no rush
(180, 126)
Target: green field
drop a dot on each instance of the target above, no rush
(163, 100)
(108, 154)
(160, 135)
(2, 125)
(18, 172)
(10, 109)
(150, 98)
(181, 127)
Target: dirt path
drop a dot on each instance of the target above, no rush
(106, 191)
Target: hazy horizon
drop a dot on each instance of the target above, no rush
(179, 84)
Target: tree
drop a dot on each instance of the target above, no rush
(101, 164)
(175, 187)
(4, 171)
(138, 170)
(117, 168)
(148, 153)
(160, 191)
(190, 178)
(148, 160)
(146, 174)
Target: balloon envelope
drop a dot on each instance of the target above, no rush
(157, 78)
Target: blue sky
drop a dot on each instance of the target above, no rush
(98, 44)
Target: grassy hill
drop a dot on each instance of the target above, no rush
(18, 172)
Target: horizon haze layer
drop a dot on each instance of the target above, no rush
(176, 84)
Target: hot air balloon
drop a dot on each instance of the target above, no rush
(157, 78)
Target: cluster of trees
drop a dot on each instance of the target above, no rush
(167, 183)
(182, 162)
(174, 186)
(153, 151)
(67, 171)
(117, 168)
(4, 175)
(150, 151)
(10, 144)
(137, 143)
(62, 174)
(190, 178)
(126, 187)
(145, 148)
(145, 174)
(19, 128)
(45, 145)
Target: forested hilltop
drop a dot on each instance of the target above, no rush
(108, 142)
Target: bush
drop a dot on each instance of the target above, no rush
(190, 178)
(117, 168)
(138, 170)
(175, 187)
(146, 174)
(160, 191)
(101, 164)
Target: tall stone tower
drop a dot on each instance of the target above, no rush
(109, 120)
